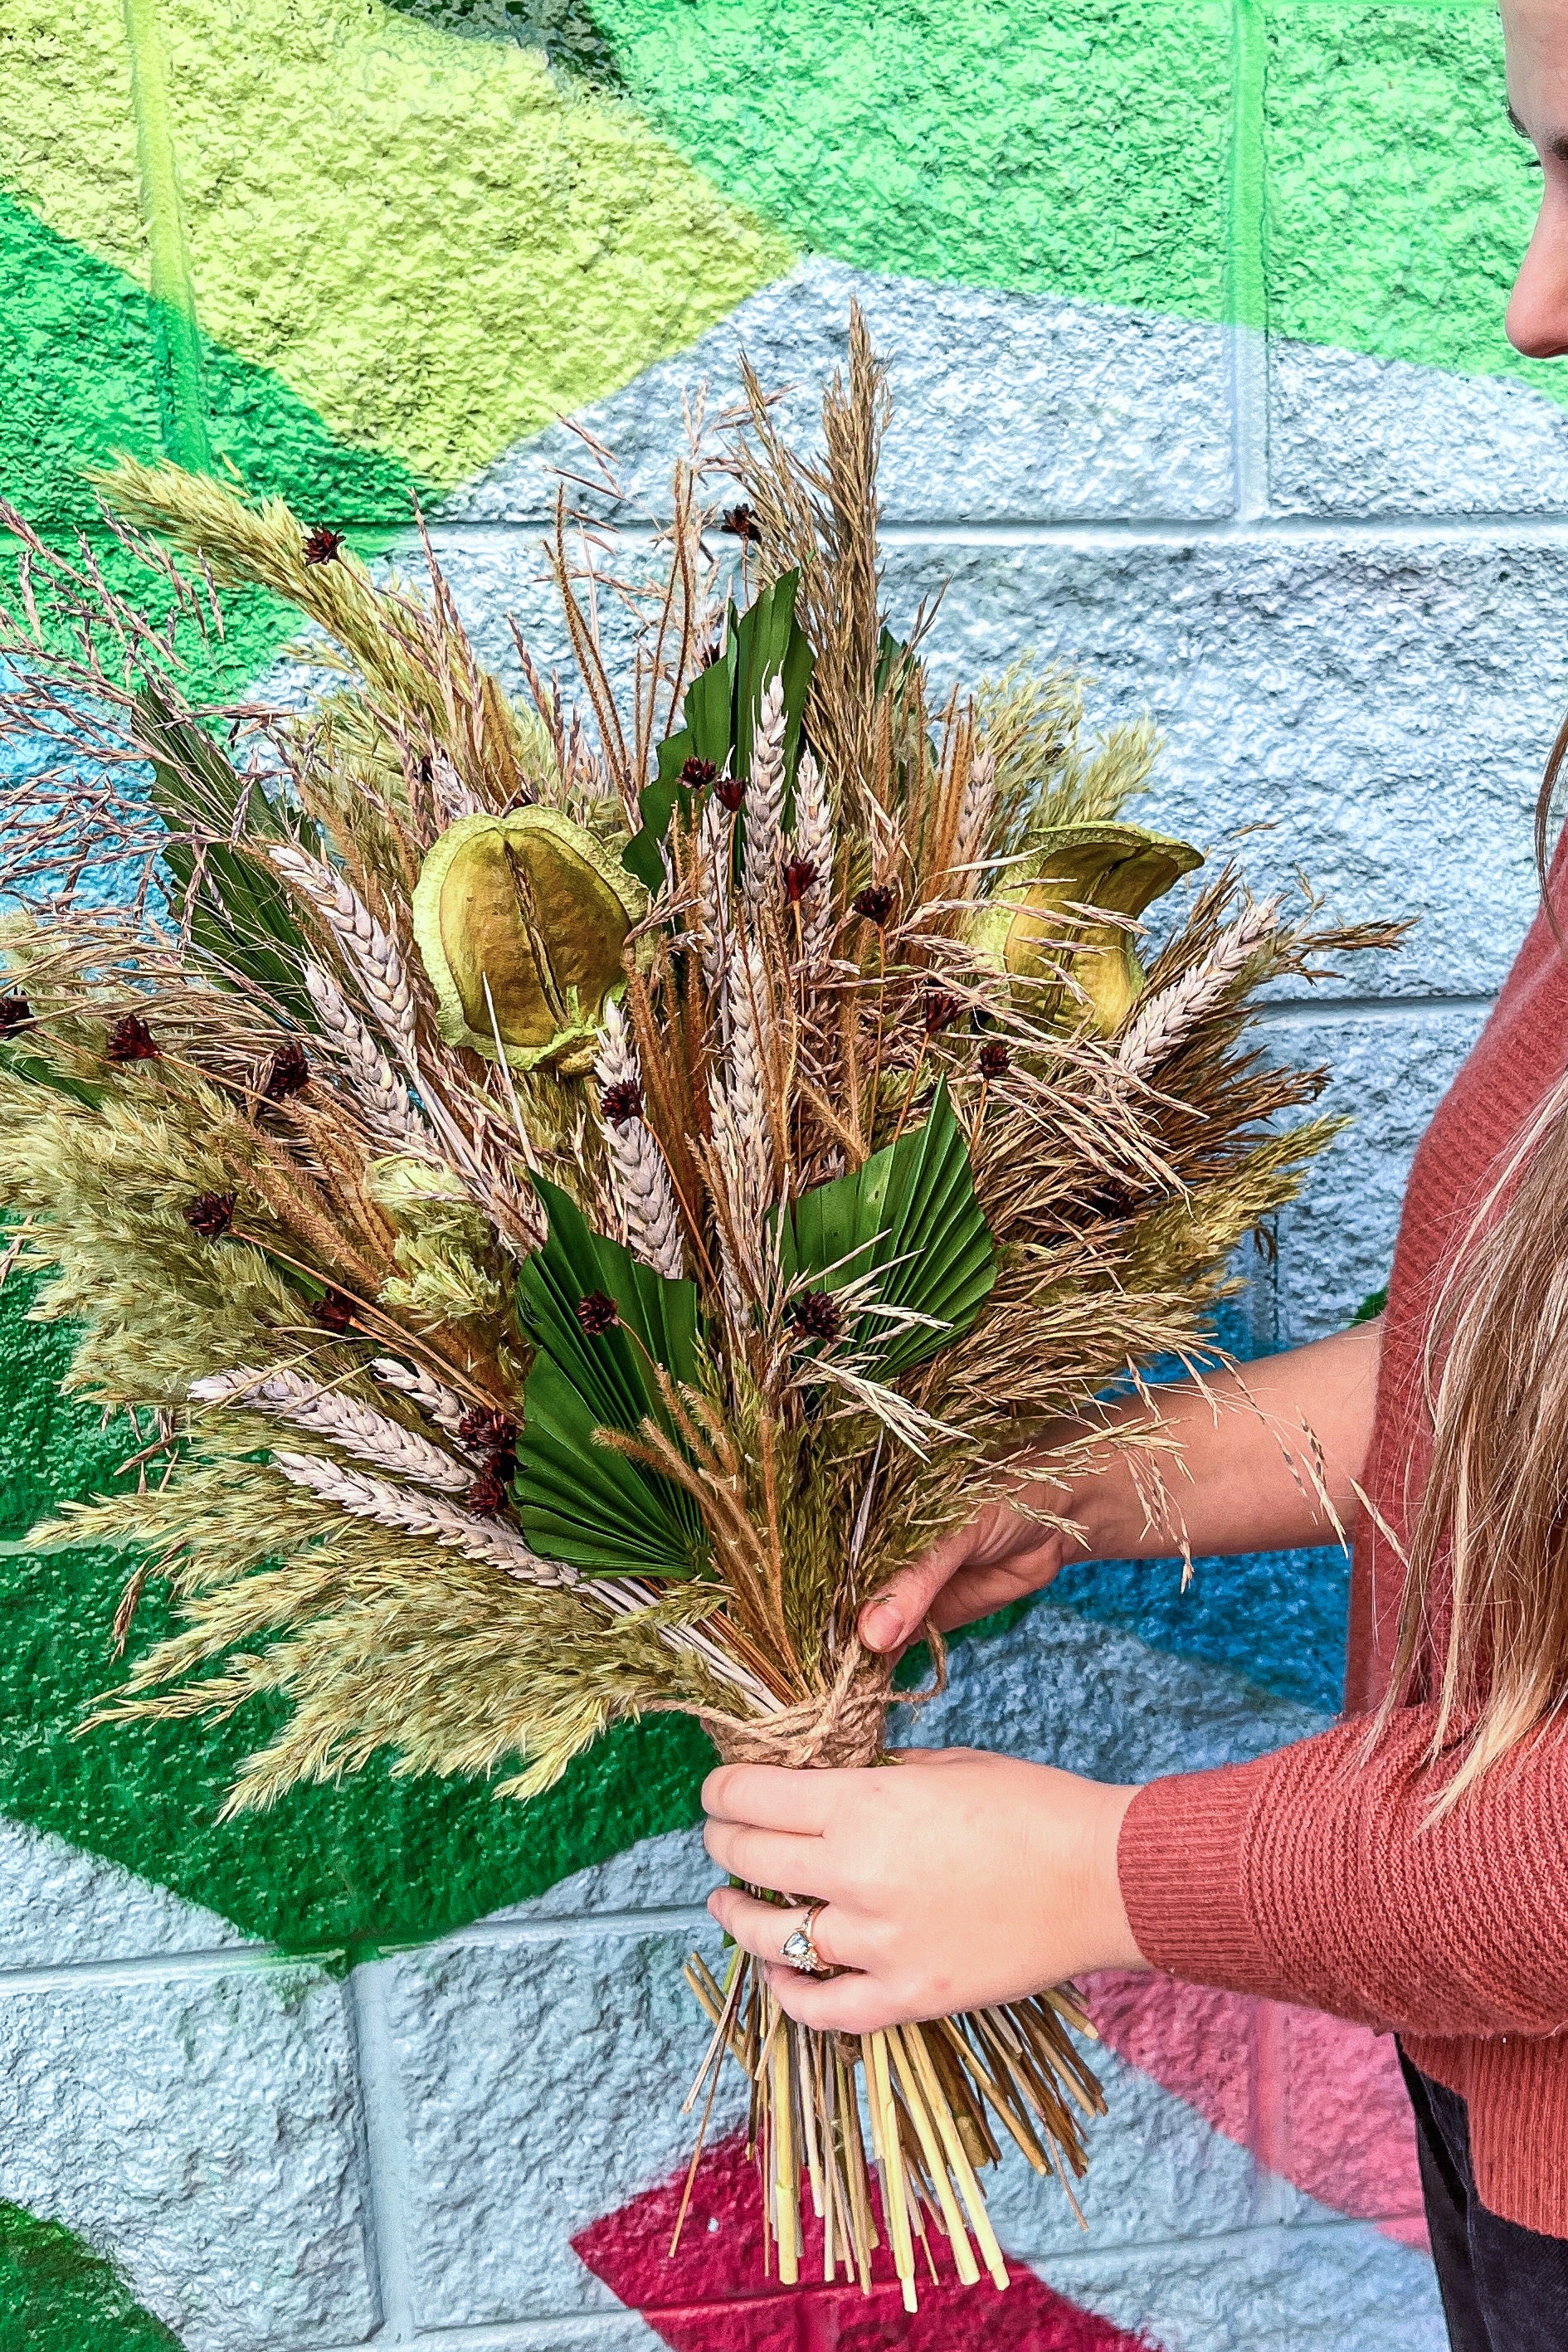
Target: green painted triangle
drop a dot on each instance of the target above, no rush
(80, 382)
(58, 2295)
(1341, 171)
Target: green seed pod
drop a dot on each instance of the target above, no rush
(1031, 929)
(533, 906)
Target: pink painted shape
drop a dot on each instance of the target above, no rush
(1320, 2102)
(713, 2296)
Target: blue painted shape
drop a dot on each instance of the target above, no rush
(1278, 1618)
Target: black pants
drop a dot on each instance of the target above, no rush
(1505, 2289)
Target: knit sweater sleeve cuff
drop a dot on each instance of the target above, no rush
(1179, 1861)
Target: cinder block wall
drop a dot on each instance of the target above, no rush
(1192, 307)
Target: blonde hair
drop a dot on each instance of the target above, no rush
(1492, 1522)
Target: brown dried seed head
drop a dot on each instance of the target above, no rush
(940, 1010)
(130, 1040)
(14, 1014)
(698, 773)
(876, 902)
(486, 1430)
(816, 1314)
(322, 545)
(995, 1060)
(334, 1312)
(739, 523)
(210, 1214)
(597, 1314)
(287, 1072)
(799, 874)
(732, 792)
(622, 1102)
(486, 1494)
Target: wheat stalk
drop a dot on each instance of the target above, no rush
(437, 1403)
(814, 844)
(973, 821)
(644, 1194)
(764, 804)
(714, 922)
(421, 1515)
(1158, 1027)
(374, 955)
(357, 1427)
(379, 1088)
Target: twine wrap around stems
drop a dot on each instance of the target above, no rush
(839, 1729)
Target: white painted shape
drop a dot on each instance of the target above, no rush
(202, 2129)
(1004, 405)
(60, 1906)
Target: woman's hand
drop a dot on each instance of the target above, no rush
(948, 1881)
(1001, 1556)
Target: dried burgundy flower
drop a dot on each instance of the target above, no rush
(622, 1102)
(598, 1314)
(486, 1430)
(14, 1014)
(697, 774)
(816, 1314)
(322, 545)
(995, 1060)
(940, 1010)
(732, 792)
(130, 1040)
(798, 876)
(876, 902)
(210, 1214)
(289, 1073)
(740, 523)
(486, 1492)
(334, 1312)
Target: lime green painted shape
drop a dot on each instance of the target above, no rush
(58, 2295)
(376, 1862)
(1080, 148)
(435, 242)
(1399, 199)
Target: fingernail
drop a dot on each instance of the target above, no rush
(881, 1625)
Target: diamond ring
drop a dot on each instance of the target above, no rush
(800, 1951)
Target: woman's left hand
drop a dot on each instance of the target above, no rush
(949, 1881)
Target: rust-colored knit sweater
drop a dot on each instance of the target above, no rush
(1303, 1877)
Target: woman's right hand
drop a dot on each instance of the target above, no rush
(1001, 1556)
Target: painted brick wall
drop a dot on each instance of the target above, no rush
(1192, 312)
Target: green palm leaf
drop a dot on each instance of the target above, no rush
(911, 1214)
(580, 1501)
(721, 710)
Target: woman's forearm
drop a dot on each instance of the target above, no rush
(1260, 1449)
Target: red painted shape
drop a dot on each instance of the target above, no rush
(1316, 2100)
(713, 2296)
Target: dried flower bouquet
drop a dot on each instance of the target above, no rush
(573, 1201)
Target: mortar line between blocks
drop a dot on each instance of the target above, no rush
(1094, 532)
(1246, 297)
(384, 2138)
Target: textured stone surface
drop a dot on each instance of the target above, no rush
(1077, 150)
(1339, 2287)
(60, 1906)
(1336, 1241)
(1350, 435)
(1060, 408)
(201, 2126)
(325, 153)
(538, 2087)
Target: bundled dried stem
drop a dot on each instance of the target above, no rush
(633, 1371)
